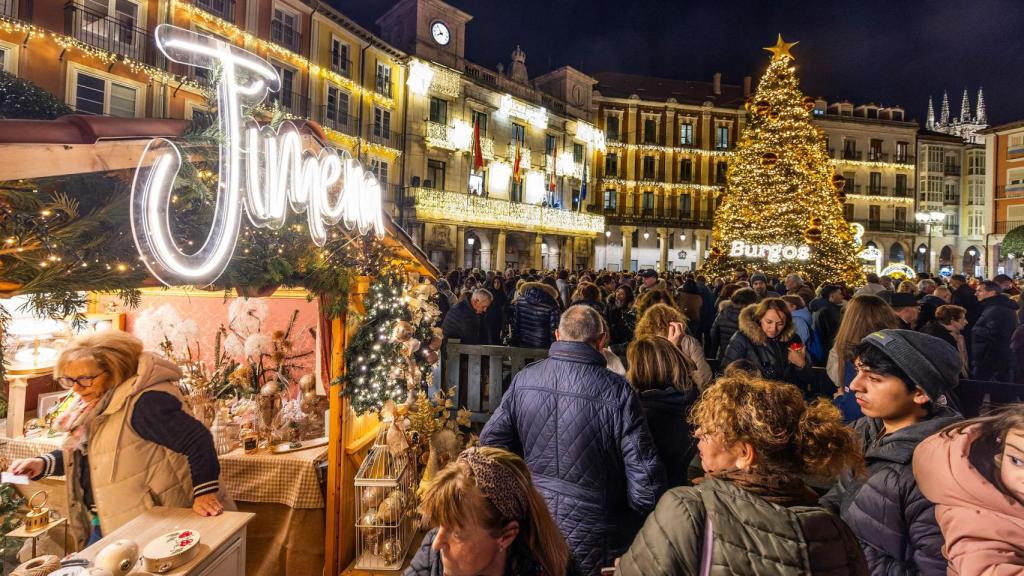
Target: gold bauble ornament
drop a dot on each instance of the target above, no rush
(769, 159)
(808, 103)
(762, 106)
(815, 221)
(370, 497)
(773, 114)
(403, 331)
(812, 235)
(838, 181)
(716, 251)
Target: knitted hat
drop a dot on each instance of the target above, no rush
(758, 278)
(931, 363)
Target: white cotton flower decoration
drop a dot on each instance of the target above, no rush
(154, 325)
(233, 346)
(257, 343)
(247, 315)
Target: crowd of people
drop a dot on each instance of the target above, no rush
(743, 425)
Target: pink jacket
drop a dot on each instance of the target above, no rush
(983, 528)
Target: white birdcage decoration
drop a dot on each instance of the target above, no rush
(385, 502)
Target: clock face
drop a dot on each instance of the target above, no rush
(440, 33)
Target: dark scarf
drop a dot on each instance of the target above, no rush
(777, 487)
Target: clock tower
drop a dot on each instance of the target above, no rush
(429, 29)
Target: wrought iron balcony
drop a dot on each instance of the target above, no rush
(376, 134)
(293, 103)
(223, 9)
(118, 34)
(1002, 227)
(336, 120)
(467, 209)
(877, 156)
(852, 154)
(9, 8)
(341, 66)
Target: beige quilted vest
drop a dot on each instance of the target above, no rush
(129, 474)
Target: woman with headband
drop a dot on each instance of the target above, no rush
(488, 519)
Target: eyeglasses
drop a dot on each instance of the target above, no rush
(82, 381)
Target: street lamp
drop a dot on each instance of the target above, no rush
(471, 241)
(929, 218)
(646, 234)
(972, 252)
(682, 237)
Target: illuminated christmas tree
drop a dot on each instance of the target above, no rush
(782, 209)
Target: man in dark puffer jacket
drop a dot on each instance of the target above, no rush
(536, 316)
(582, 432)
(902, 386)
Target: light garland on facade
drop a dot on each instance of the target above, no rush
(678, 150)
(71, 43)
(537, 116)
(446, 83)
(457, 138)
(524, 156)
(894, 199)
(874, 164)
(227, 28)
(467, 209)
(670, 186)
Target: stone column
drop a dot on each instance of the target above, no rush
(663, 249)
(485, 259)
(500, 265)
(627, 246)
(570, 252)
(460, 247)
(699, 247)
(538, 258)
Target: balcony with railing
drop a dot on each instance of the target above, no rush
(875, 155)
(899, 226)
(117, 34)
(377, 134)
(903, 158)
(293, 103)
(286, 36)
(223, 9)
(1014, 191)
(1004, 226)
(9, 8)
(341, 66)
(668, 217)
(328, 117)
(852, 154)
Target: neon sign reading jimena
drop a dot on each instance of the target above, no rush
(273, 167)
(772, 252)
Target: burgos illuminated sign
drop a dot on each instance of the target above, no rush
(274, 168)
(771, 252)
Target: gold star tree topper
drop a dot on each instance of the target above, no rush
(781, 49)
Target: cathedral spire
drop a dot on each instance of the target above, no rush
(965, 108)
(981, 116)
(944, 114)
(930, 122)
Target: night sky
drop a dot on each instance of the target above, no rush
(887, 51)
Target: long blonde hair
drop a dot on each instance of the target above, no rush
(862, 315)
(656, 363)
(115, 352)
(453, 499)
(654, 320)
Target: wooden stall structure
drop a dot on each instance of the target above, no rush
(86, 144)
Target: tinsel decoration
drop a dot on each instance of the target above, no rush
(380, 367)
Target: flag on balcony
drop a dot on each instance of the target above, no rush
(516, 174)
(551, 175)
(583, 187)
(478, 154)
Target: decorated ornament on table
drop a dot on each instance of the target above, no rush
(391, 509)
(368, 530)
(391, 550)
(119, 558)
(769, 159)
(372, 496)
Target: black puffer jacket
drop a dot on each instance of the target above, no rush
(770, 355)
(990, 340)
(894, 522)
(464, 324)
(666, 411)
(582, 433)
(726, 324)
(536, 316)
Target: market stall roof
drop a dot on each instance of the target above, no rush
(76, 144)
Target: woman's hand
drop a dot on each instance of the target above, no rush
(207, 505)
(797, 357)
(30, 467)
(676, 331)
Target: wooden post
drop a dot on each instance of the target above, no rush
(16, 407)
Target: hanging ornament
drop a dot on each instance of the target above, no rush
(769, 159)
(762, 106)
(812, 235)
(749, 104)
(403, 331)
(773, 114)
(808, 103)
(716, 252)
(815, 221)
(838, 181)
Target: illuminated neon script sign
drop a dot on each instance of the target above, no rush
(771, 252)
(265, 172)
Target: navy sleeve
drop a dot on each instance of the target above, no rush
(53, 464)
(158, 417)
